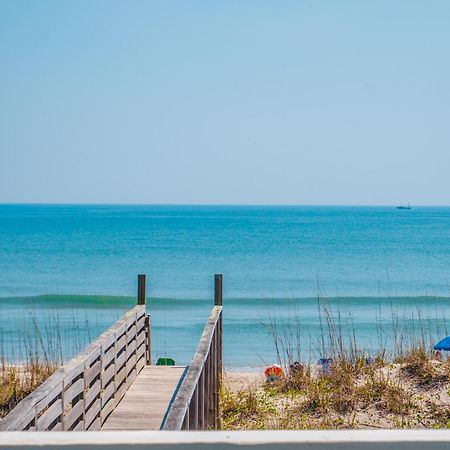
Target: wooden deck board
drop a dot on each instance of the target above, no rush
(145, 403)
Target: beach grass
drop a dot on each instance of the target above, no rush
(403, 388)
(18, 381)
(35, 358)
(413, 393)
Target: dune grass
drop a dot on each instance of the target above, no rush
(37, 356)
(404, 388)
(17, 381)
(412, 393)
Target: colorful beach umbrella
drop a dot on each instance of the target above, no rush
(273, 373)
(444, 344)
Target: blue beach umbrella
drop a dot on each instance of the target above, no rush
(444, 344)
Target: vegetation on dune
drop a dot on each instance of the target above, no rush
(380, 395)
(16, 382)
(406, 389)
(39, 355)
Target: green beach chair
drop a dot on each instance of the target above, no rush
(165, 362)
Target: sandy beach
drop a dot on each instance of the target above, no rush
(240, 380)
(411, 394)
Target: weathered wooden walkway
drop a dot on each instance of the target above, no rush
(146, 402)
(112, 384)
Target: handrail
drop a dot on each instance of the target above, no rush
(196, 404)
(229, 440)
(82, 393)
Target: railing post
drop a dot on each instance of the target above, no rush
(201, 401)
(218, 301)
(141, 300)
(149, 340)
(218, 289)
(217, 349)
(141, 296)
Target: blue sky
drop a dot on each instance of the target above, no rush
(294, 102)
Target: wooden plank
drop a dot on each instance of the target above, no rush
(141, 352)
(48, 399)
(96, 425)
(91, 414)
(140, 323)
(121, 343)
(92, 393)
(131, 377)
(120, 376)
(91, 373)
(140, 364)
(131, 335)
(57, 427)
(108, 374)
(73, 414)
(146, 401)
(72, 391)
(93, 354)
(107, 410)
(49, 416)
(120, 393)
(108, 344)
(79, 426)
(131, 363)
(107, 394)
(108, 356)
(140, 338)
(120, 361)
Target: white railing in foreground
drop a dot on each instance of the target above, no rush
(83, 392)
(223, 440)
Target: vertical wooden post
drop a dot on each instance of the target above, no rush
(210, 362)
(141, 300)
(149, 340)
(185, 425)
(141, 290)
(201, 401)
(193, 411)
(63, 407)
(218, 289)
(218, 301)
(215, 380)
(207, 391)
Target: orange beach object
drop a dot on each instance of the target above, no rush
(273, 373)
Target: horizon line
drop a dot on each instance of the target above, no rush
(374, 205)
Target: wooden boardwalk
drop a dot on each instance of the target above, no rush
(146, 402)
(112, 384)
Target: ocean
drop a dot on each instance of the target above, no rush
(376, 274)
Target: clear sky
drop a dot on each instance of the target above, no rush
(291, 102)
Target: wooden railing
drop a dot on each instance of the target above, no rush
(83, 392)
(196, 405)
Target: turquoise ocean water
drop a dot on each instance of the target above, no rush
(70, 271)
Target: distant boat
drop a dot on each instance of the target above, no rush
(404, 207)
